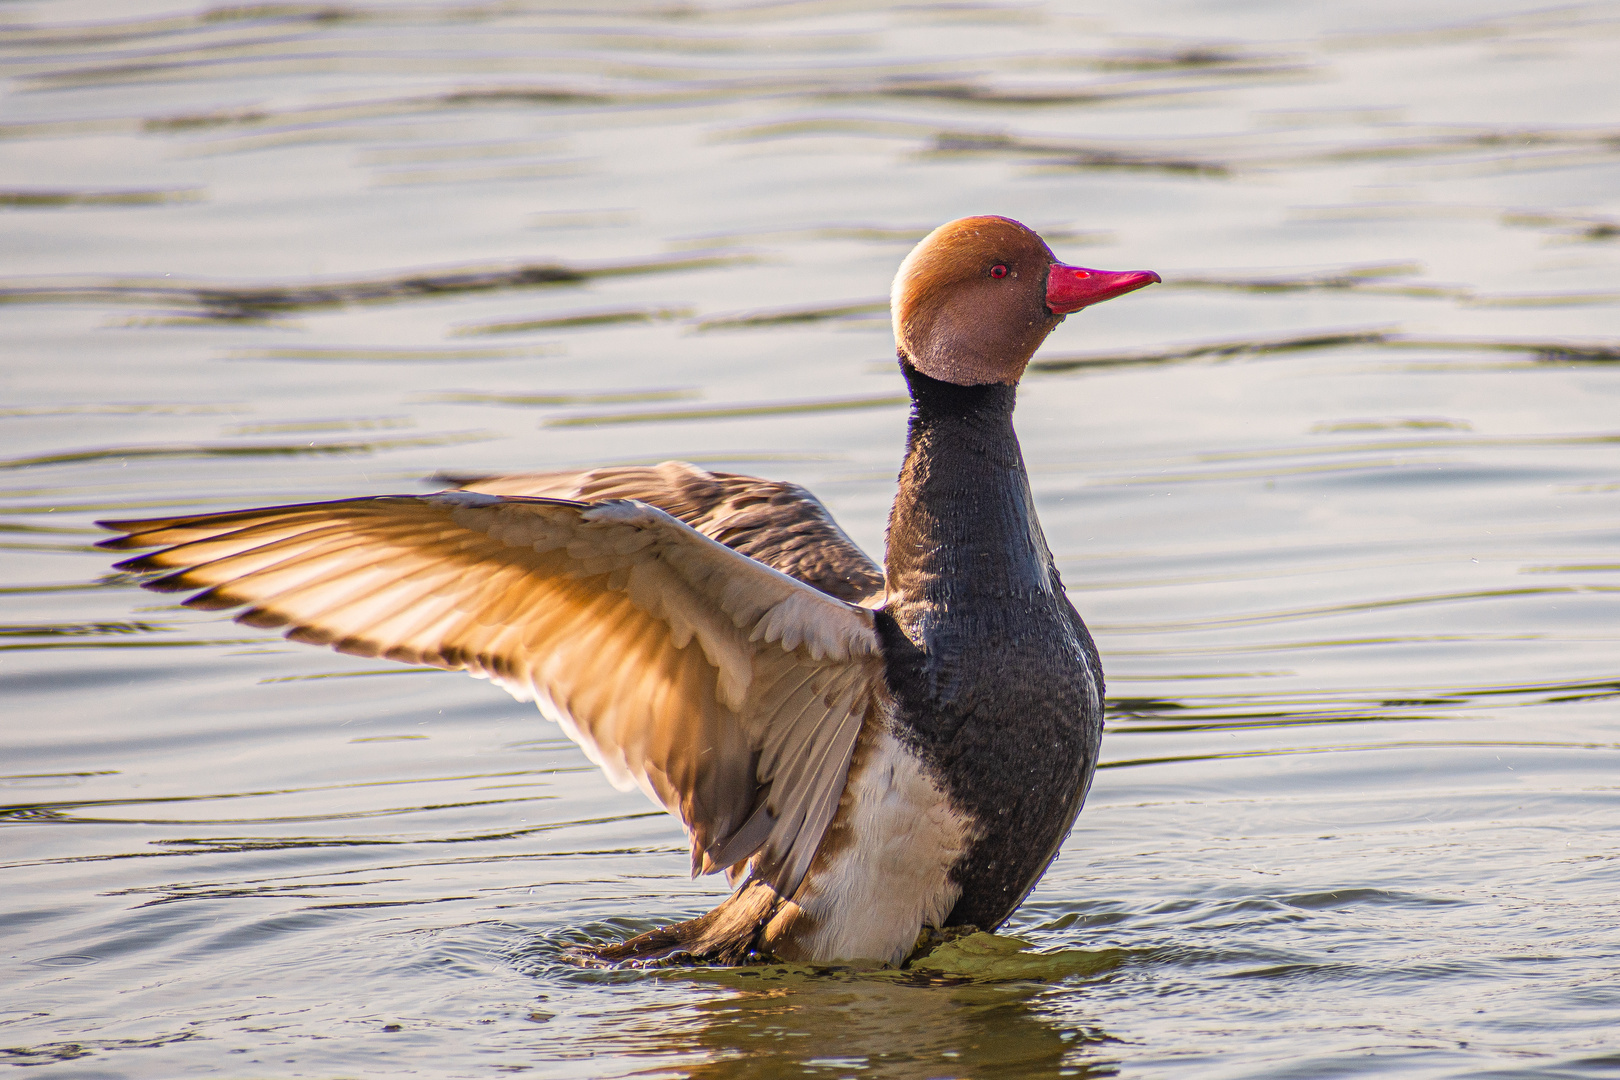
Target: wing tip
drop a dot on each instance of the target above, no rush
(127, 542)
(137, 565)
(215, 599)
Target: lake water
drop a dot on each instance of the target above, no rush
(1340, 499)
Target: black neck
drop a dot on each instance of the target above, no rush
(963, 537)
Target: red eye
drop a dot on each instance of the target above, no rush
(998, 271)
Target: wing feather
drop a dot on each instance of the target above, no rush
(779, 524)
(730, 692)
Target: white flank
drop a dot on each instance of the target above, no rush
(882, 889)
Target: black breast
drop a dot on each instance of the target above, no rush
(997, 683)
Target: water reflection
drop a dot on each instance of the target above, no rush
(249, 302)
(334, 446)
(833, 1027)
(41, 198)
(970, 1009)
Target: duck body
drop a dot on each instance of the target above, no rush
(966, 782)
(865, 752)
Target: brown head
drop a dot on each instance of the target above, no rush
(976, 298)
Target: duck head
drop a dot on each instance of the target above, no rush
(975, 299)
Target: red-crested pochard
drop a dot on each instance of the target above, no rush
(866, 753)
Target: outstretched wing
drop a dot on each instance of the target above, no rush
(730, 693)
(780, 524)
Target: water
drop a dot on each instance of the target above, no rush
(1339, 500)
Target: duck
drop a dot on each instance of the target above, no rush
(869, 754)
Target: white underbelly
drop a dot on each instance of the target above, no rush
(875, 894)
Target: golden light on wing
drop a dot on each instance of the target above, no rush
(730, 693)
(780, 524)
